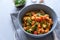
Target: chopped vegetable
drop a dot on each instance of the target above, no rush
(29, 21)
(38, 14)
(27, 24)
(44, 25)
(37, 22)
(28, 31)
(39, 25)
(42, 30)
(33, 13)
(33, 22)
(38, 19)
(25, 28)
(19, 2)
(35, 32)
(33, 18)
(34, 28)
(46, 30)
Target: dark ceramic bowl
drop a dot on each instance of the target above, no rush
(37, 7)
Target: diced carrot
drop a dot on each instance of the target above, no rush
(39, 25)
(39, 30)
(38, 19)
(33, 26)
(46, 30)
(46, 15)
(47, 18)
(42, 17)
(50, 21)
(33, 13)
(42, 30)
(25, 28)
(49, 24)
(35, 32)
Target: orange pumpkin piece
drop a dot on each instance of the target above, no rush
(38, 19)
(32, 22)
(47, 30)
(39, 25)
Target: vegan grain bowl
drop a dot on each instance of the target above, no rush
(37, 20)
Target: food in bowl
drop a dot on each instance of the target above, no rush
(37, 22)
(19, 2)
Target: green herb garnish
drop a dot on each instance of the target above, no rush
(19, 2)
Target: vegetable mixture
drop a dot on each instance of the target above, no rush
(37, 22)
